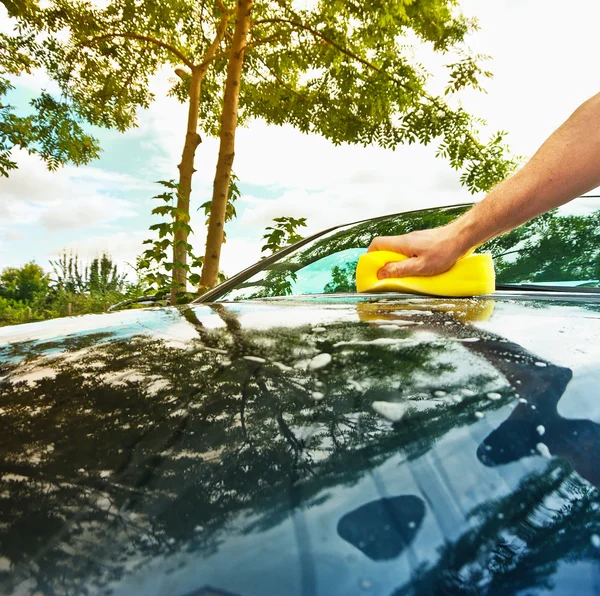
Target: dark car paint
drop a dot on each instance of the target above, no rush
(197, 451)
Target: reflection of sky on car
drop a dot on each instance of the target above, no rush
(304, 548)
(582, 206)
(449, 480)
(563, 334)
(313, 278)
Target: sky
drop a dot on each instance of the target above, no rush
(544, 54)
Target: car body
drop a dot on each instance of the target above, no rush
(285, 435)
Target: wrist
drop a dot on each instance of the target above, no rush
(460, 237)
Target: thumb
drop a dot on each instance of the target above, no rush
(399, 269)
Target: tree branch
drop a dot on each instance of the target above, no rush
(152, 40)
(370, 65)
(278, 79)
(211, 54)
(263, 40)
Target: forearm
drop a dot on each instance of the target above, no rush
(566, 166)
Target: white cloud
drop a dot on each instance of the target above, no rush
(12, 235)
(66, 199)
(123, 247)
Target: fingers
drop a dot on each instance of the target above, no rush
(406, 268)
(392, 243)
(374, 245)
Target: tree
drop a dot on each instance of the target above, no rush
(100, 277)
(282, 233)
(338, 69)
(105, 65)
(54, 130)
(24, 283)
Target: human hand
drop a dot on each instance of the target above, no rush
(430, 252)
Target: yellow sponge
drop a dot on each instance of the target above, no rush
(472, 275)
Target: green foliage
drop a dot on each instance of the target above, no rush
(230, 212)
(100, 277)
(25, 283)
(282, 233)
(348, 75)
(339, 69)
(29, 294)
(54, 129)
(343, 279)
(155, 265)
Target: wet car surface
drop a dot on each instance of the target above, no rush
(318, 443)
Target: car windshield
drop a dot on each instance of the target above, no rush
(557, 250)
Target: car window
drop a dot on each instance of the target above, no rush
(560, 249)
(327, 265)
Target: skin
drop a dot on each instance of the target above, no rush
(566, 166)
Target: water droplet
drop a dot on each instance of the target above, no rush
(543, 450)
(522, 400)
(468, 392)
(500, 516)
(317, 395)
(319, 329)
(439, 393)
(541, 364)
(366, 584)
(412, 525)
(540, 430)
(282, 366)
(255, 359)
(391, 410)
(493, 395)
(319, 361)
(595, 540)
(478, 414)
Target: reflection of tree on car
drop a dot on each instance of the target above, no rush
(134, 449)
(553, 247)
(278, 280)
(517, 542)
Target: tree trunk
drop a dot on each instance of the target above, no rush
(186, 171)
(229, 116)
